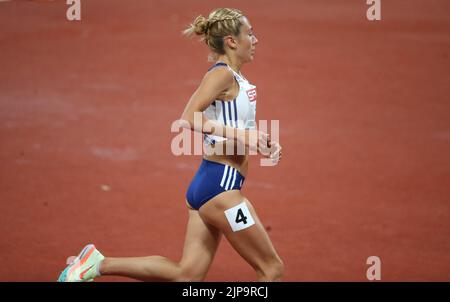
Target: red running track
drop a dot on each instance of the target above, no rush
(364, 110)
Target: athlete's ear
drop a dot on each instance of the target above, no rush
(230, 41)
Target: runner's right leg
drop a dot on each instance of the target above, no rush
(200, 247)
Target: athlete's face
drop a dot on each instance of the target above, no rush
(246, 42)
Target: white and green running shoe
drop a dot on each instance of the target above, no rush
(84, 267)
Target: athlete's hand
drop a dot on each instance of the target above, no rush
(275, 152)
(255, 140)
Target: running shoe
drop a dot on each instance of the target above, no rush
(84, 267)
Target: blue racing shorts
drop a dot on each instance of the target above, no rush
(211, 179)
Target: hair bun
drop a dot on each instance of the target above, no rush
(200, 25)
(218, 24)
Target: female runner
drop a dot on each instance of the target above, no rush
(216, 205)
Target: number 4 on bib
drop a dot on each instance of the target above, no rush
(239, 217)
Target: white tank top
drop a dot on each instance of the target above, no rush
(238, 113)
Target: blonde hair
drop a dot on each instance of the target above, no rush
(220, 23)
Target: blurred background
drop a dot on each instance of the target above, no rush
(364, 109)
